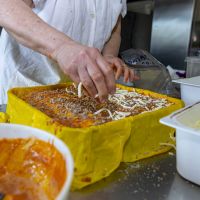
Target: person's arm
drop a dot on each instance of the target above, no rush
(82, 64)
(29, 3)
(111, 51)
(28, 29)
(113, 44)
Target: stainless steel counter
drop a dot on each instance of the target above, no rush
(150, 179)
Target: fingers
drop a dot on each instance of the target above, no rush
(108, 73)
(132, 75)
(121, 68)
(127, 77)
(87, 81)
(99, 80)
(73, 73)
(87, 65)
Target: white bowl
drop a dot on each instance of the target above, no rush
(187, 124)
(19, 131)
(190, 89)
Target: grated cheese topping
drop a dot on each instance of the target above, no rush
(72, 107)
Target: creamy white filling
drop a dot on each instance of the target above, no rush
(80, 90)
(128, 100)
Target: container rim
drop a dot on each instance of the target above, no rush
(27, 131)
(194, 81)
(172, 122)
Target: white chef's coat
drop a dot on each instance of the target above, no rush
(89, 22)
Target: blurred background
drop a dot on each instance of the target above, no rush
(169, 30)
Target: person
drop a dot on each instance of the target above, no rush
(47, 41)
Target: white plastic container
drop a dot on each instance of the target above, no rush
(187, 124)
(19, 131)
(190, 89)
(193, 66)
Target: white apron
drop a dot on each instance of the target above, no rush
(89, 22)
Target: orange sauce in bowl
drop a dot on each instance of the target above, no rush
(30, 169)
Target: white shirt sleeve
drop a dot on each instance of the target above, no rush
(124, 8)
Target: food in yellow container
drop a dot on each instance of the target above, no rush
(100, 136)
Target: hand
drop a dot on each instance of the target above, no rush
(29, 3)
(120, 68)
(87, 65)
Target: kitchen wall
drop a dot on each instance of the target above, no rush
(136, 31)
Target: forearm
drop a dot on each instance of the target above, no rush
(113, 44)
(28, 29)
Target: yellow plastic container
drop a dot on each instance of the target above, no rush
(98, 150)
(3, 117)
